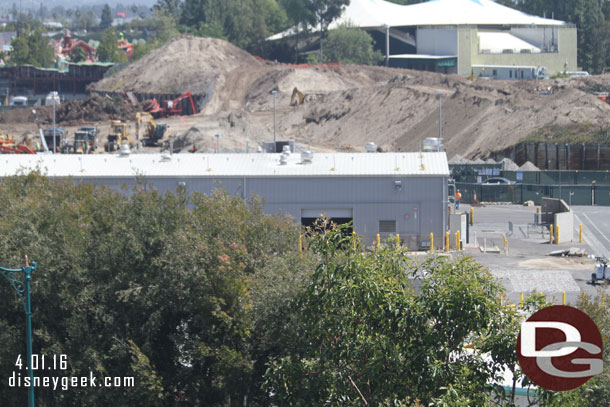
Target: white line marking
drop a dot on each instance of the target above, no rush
(596, 228)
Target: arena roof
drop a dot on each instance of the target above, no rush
(377, 13)
(226, 165)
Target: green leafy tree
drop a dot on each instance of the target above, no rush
(350, 46)
(363, 336)
(20, 54)
(107, 50)
(171, 7)
(78, 55)
(33, 49)
(106, 19)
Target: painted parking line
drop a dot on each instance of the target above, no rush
(596, 228)
(590, 239)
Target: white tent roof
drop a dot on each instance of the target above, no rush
(495, 42)
(376, 13)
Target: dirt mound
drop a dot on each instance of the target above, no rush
(94, 108)
(183, 63)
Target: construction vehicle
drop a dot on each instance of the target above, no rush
(603, 96)
(170, 107)
(54, 137)
(79, 145)
(117, 137)
(92, 133)
(154, 133)
(602, 274)
(296, 98)
(8, 146)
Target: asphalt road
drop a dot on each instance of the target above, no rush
(596, 227)
(527, 267)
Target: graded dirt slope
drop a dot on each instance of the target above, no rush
(349, 106)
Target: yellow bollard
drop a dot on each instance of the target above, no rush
(397, 241)
(521, 299)
(300, 242)
(603, 301)
(557, 234)
(580, 234)
(450, 210)
(471, 216)
(378, 241)
(563, 298)
(447, 241)
(354, 240)
(431, 241)
(456, 240)
(501, 299)
(551, 233)
(459, 241)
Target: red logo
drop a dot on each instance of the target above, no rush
(560, 348)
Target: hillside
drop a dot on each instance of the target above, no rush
(351, 105)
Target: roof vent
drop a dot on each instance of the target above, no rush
(371, 147)
(306, 157)
(166, 156)
(284, 158)
(286, 150)
(124, 150)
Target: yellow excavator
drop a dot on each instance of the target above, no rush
(154, 133)
(117, 137)
(297, 97)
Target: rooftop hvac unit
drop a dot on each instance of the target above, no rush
(284, 159)
(433, 144)
(306, 157)
(371, 147)
(278, 146)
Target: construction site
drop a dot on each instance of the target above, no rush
(240, 101)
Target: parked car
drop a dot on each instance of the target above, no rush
(497, 180)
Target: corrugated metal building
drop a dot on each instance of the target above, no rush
(386, 193)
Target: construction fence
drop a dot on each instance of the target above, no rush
(519, 193)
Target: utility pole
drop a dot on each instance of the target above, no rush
(274, 92)
(22, 286)
(440, 120)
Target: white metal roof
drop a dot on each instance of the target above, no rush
(496, 42)
(376, 13)
(226, 165)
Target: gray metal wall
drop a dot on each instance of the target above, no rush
(419, 208)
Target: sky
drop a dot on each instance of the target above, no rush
(28, 4)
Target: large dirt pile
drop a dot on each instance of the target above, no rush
(183, 63)
(94, 108)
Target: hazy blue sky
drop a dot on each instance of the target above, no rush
(27, 4)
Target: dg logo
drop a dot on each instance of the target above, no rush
(560, 348)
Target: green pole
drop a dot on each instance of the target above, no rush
(23, 288)
(28, 332)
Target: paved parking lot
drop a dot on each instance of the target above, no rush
(527, 266)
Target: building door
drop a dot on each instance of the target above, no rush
(339, 216)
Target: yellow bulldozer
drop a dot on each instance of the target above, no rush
(117, 137)
(154, 133)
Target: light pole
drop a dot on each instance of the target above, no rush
(54, 130)
(217, 143)
(23, 291)
(274, 92)
(440, 120)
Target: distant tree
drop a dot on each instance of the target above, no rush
(20, 54)
(106, 20)
(33, 49)
(78, 55)
(350, 45)
(171, 7)
(134, 9)
(107, 50)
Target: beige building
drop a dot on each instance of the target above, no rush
(466, 37)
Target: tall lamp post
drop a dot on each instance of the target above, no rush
(22, 286)
(440, 120)
(274, 92)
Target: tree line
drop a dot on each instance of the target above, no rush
(205, 301)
